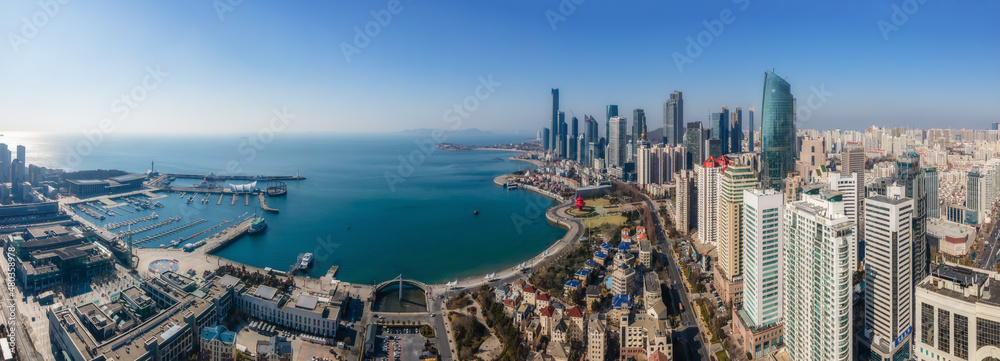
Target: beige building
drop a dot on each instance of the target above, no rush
(811, 157)
(684, 202)
(644, 336)
(597, 343)
(737, 177)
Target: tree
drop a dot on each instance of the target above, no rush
(595, 306)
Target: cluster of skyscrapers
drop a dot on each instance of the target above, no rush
(12, 172)
(821, 239)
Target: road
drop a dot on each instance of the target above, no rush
(987, 255)
(692, 339)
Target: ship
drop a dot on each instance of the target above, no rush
(304, 261)
(212, 177)
(258, 224)
(207, 184)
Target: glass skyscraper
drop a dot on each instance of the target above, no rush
(612, 111)
(777, 130)
(673, 119)
(638, 124)
(911, 176)
(554, 137)
(720, 129)
(693, 141)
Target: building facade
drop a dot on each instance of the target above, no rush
(738, 176)
(777, 127)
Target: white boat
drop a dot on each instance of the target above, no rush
(305, 261)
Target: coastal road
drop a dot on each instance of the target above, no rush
(690, 336)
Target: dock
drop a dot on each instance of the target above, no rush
(226, 236)
(233, 203)
(263, 204)
(220, 199)
(239, 177)
(332, 273)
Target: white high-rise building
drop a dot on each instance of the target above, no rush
(645, 163)
(818, 313)
(708, 200)
(763, 243)
(617, 128)
(848, 184)
(888, 276)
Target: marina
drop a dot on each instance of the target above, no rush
(172, 231)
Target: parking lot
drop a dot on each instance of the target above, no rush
(399, 344)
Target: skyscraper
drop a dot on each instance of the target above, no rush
(777, 127)
(911, 176)
(673, 119)
(736, 131)
(546, 139)
(931, 181)
(750, 132)
(974, 189)
(562, 134)
(571, 139)
(4, 163)
(720, 129)
(763, 272)
(848, 185)
(817, 281)
(685, 200)
(616, 141)
(581, 149)
(996, 126)
(638, 126)
(611, 111)
(23, 161)
(708, 199)
(888, 281)
(694, 142)
(554, 139)
(736, 177)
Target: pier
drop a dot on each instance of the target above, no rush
(130, 222)
(226, 236)
(239, 177)
(178, 229)
(233, 203)
(247, 198)
(182, 239)
(159, 224)
(220, 199)
(263, 204)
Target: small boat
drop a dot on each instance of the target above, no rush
(304, 261)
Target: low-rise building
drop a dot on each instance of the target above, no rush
(217, 344)
(643, 336)
(274, 349)
(957, 315)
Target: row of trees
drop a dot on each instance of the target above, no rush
(503, 327)
(552, 277)
(469, 334)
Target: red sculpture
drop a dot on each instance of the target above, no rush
(580, 203)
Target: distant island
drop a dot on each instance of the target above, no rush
(526, 146)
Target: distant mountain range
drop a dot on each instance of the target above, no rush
(470, 131)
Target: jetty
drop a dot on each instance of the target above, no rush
(178, 229)
(247, 198)
(263, 204)
(220, 199)
(238, 177)
(233, 203)
(130, 222)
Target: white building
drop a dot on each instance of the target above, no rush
(957, 316)
(818, 312)
(617, 128)
(708, 201)
(306, 313)
(888, 276)
(763, 221)
(848, 185)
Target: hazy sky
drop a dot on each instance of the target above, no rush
(211, 67)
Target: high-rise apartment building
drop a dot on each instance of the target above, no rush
(736, 177)
(708, 199)
(685, 201)
(610, 111)
(759, 321)
(817, 281)
(931, 184)
(848, 185)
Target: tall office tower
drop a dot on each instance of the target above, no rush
(694, 142)
(713, 148)
(571, 140)
(931, 181)
(685, 201)
(562, 134)
(644, 162)
(581, 150)
(616, 141)
(763, 273)
(23, 163)
(811, 157)
(852, 160)
(673, 119)
(610, 111)
(736, 131)
(818, 310)
(911, 176)
(848, 185)
(750, 138)
(735, 178)
(593, 153)
(708, 199)
(973, 192)
(591, 129)
(638, 126)
(777, 130)
(720, 129)
(16, 178)
(4, 163)
(996, 126)
(546, 139)
(554, 139)
(888, 281)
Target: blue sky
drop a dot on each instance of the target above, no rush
(229, 73)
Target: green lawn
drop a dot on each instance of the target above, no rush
(615, 220)
(722, 356)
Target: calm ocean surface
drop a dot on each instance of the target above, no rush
(422, 226)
